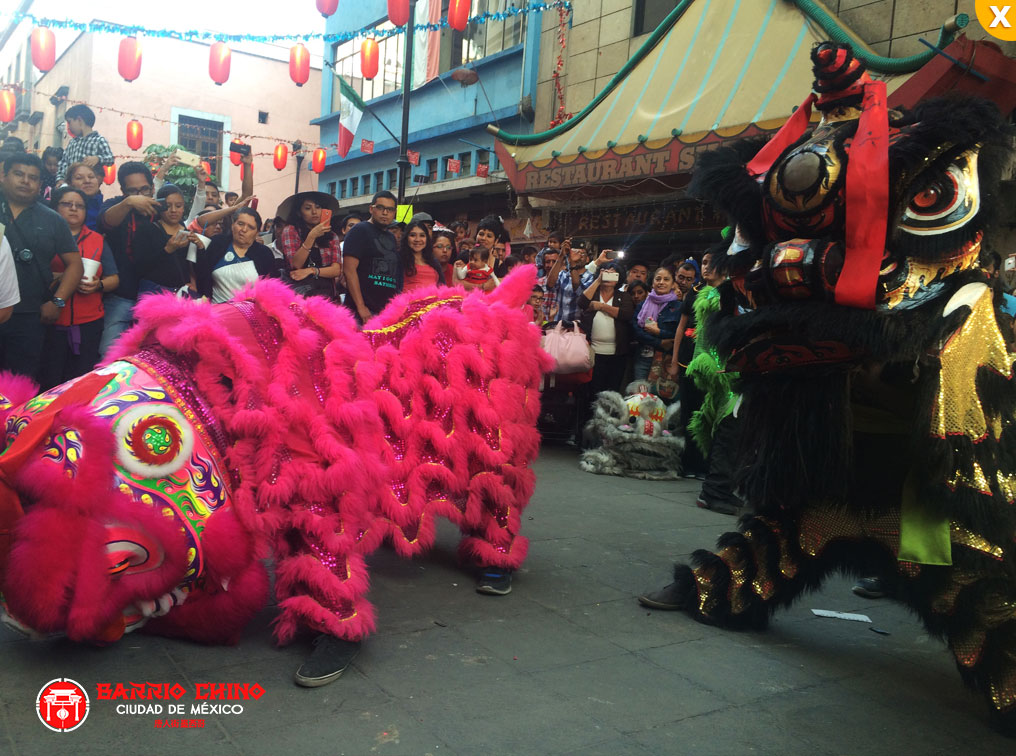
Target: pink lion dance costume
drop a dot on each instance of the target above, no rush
(149, 491)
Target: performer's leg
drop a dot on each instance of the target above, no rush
(495, 542)
(320, 582)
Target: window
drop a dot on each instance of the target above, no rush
(365, 183)
(204, 138)
(480, 40)
(354, 186)
(331, 188)
(342, 189)
(457, 48)
(262, 116)
(650, 13)
(346, 56)
(393, 178)
(432, 169)
(467, 163)
(444, 167)
(379, 181)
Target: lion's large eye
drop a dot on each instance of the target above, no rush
(948, 202)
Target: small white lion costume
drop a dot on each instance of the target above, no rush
(637, 436)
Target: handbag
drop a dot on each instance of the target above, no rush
(311, 286)
(659, 384)
(570, 350)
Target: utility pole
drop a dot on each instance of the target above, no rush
(407, 86)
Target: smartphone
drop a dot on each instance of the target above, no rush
(240, 149)
(188, 158)
(326, 216)
(181, 235)
(253, 204)
(163, 204)
(611, 254)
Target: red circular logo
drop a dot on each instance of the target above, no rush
(62, 705)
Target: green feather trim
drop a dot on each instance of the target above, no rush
(706, 369)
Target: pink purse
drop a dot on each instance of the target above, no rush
(569, 349)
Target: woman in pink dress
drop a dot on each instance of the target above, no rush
(420, 268)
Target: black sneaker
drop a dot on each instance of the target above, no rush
(495, 581)
(870, 587)
(720, 507)
(670, 598)
(330, 658)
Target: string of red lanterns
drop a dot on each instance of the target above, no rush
(299, 64)
(398, 12)
(317, 163)
(135, 134)
(43, 48)
(280, 156)
(369, 58)
(327, 7)
(128, 62)
(218, 62)
(458, 14)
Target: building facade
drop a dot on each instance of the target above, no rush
(447, 115)
(176, 103)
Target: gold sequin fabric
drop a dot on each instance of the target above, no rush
(977, 343)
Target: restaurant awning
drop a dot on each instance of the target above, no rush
(714, 70)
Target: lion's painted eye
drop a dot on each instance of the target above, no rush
(951, 200)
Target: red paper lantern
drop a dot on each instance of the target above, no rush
(398, 12)
(8, 105)
(109, 176)
(207, 167)
(135, 134)
(327, 7)
(458, 14)
(281, 156)
(235, 157)
(128, 62)
(317, 163)
(218, 63)
(369, 57)
(299, 64)
(43, 48)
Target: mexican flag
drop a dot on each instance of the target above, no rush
(351, 109)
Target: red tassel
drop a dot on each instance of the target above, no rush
(867, 199)
(789, 133)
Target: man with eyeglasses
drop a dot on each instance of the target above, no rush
(370, 260)
(36, 234)
(127, 222)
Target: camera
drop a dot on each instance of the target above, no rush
(239, 149)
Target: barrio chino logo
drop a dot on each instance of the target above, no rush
(62, 705)
(998, 19)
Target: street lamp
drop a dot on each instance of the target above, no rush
(298, 154)
(407, 85)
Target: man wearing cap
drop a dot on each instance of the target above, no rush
(371, 260)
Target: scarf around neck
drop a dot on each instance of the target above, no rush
(652, 306)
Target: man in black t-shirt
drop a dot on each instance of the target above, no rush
(370, 260)
(36, 234)
(126, 221)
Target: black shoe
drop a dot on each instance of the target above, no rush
(495, 581)
(720, 507)
(671, 598)
(870, 587)
(330, 658)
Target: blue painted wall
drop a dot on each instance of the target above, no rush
(442, 112)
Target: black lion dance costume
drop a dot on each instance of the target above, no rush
(878, 404)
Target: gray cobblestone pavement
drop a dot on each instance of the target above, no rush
(567, 663)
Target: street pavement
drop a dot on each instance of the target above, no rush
(568, 663)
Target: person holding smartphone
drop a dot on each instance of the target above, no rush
(309, 244)
(162, 266)
(606, 319)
